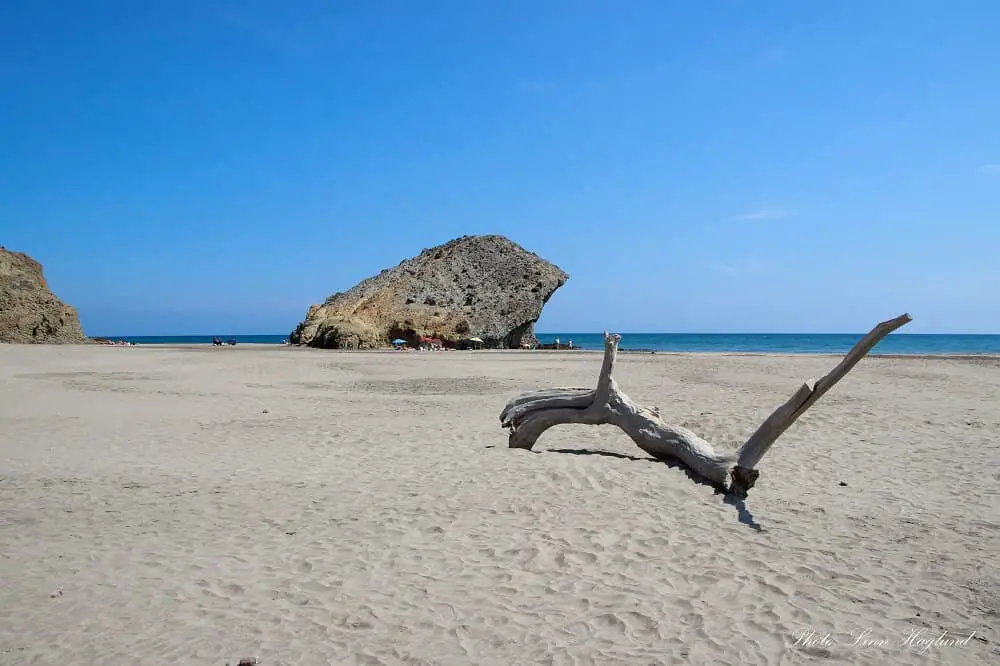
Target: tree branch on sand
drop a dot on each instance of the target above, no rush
(531, 414)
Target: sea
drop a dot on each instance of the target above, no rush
(786, 343)
(756, 343)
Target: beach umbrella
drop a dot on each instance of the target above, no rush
(397, 341)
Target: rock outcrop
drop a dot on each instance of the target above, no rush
(474, 286)
(29, 312)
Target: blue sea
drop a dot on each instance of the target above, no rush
(773, 343)
(785, 343)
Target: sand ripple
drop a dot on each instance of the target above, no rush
(366, 510)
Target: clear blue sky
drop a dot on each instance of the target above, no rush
(195, 166)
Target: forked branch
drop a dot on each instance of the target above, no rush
(531, 414)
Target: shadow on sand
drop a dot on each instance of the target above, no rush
(742, 512)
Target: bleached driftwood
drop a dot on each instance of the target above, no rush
(529, 415)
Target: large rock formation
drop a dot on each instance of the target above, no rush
(474, 286)
(29, 312)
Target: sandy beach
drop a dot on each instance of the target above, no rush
(196, 506)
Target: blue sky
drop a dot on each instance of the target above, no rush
(189, 167)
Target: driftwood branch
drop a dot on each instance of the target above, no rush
(531, 414)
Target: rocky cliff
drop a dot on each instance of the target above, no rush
(29, 312)
(474, 286)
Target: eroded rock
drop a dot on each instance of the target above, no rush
(474, 286)
(29, 312)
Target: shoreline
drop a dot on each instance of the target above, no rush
(971, 356)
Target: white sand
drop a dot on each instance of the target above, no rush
(152, 511)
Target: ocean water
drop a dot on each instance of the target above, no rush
(773, 343)
(786, 343)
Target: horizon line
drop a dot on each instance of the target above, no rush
(561, 333)
(761, 333)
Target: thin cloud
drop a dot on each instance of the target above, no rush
(763, 214)
(741, 268)
(990, 170)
